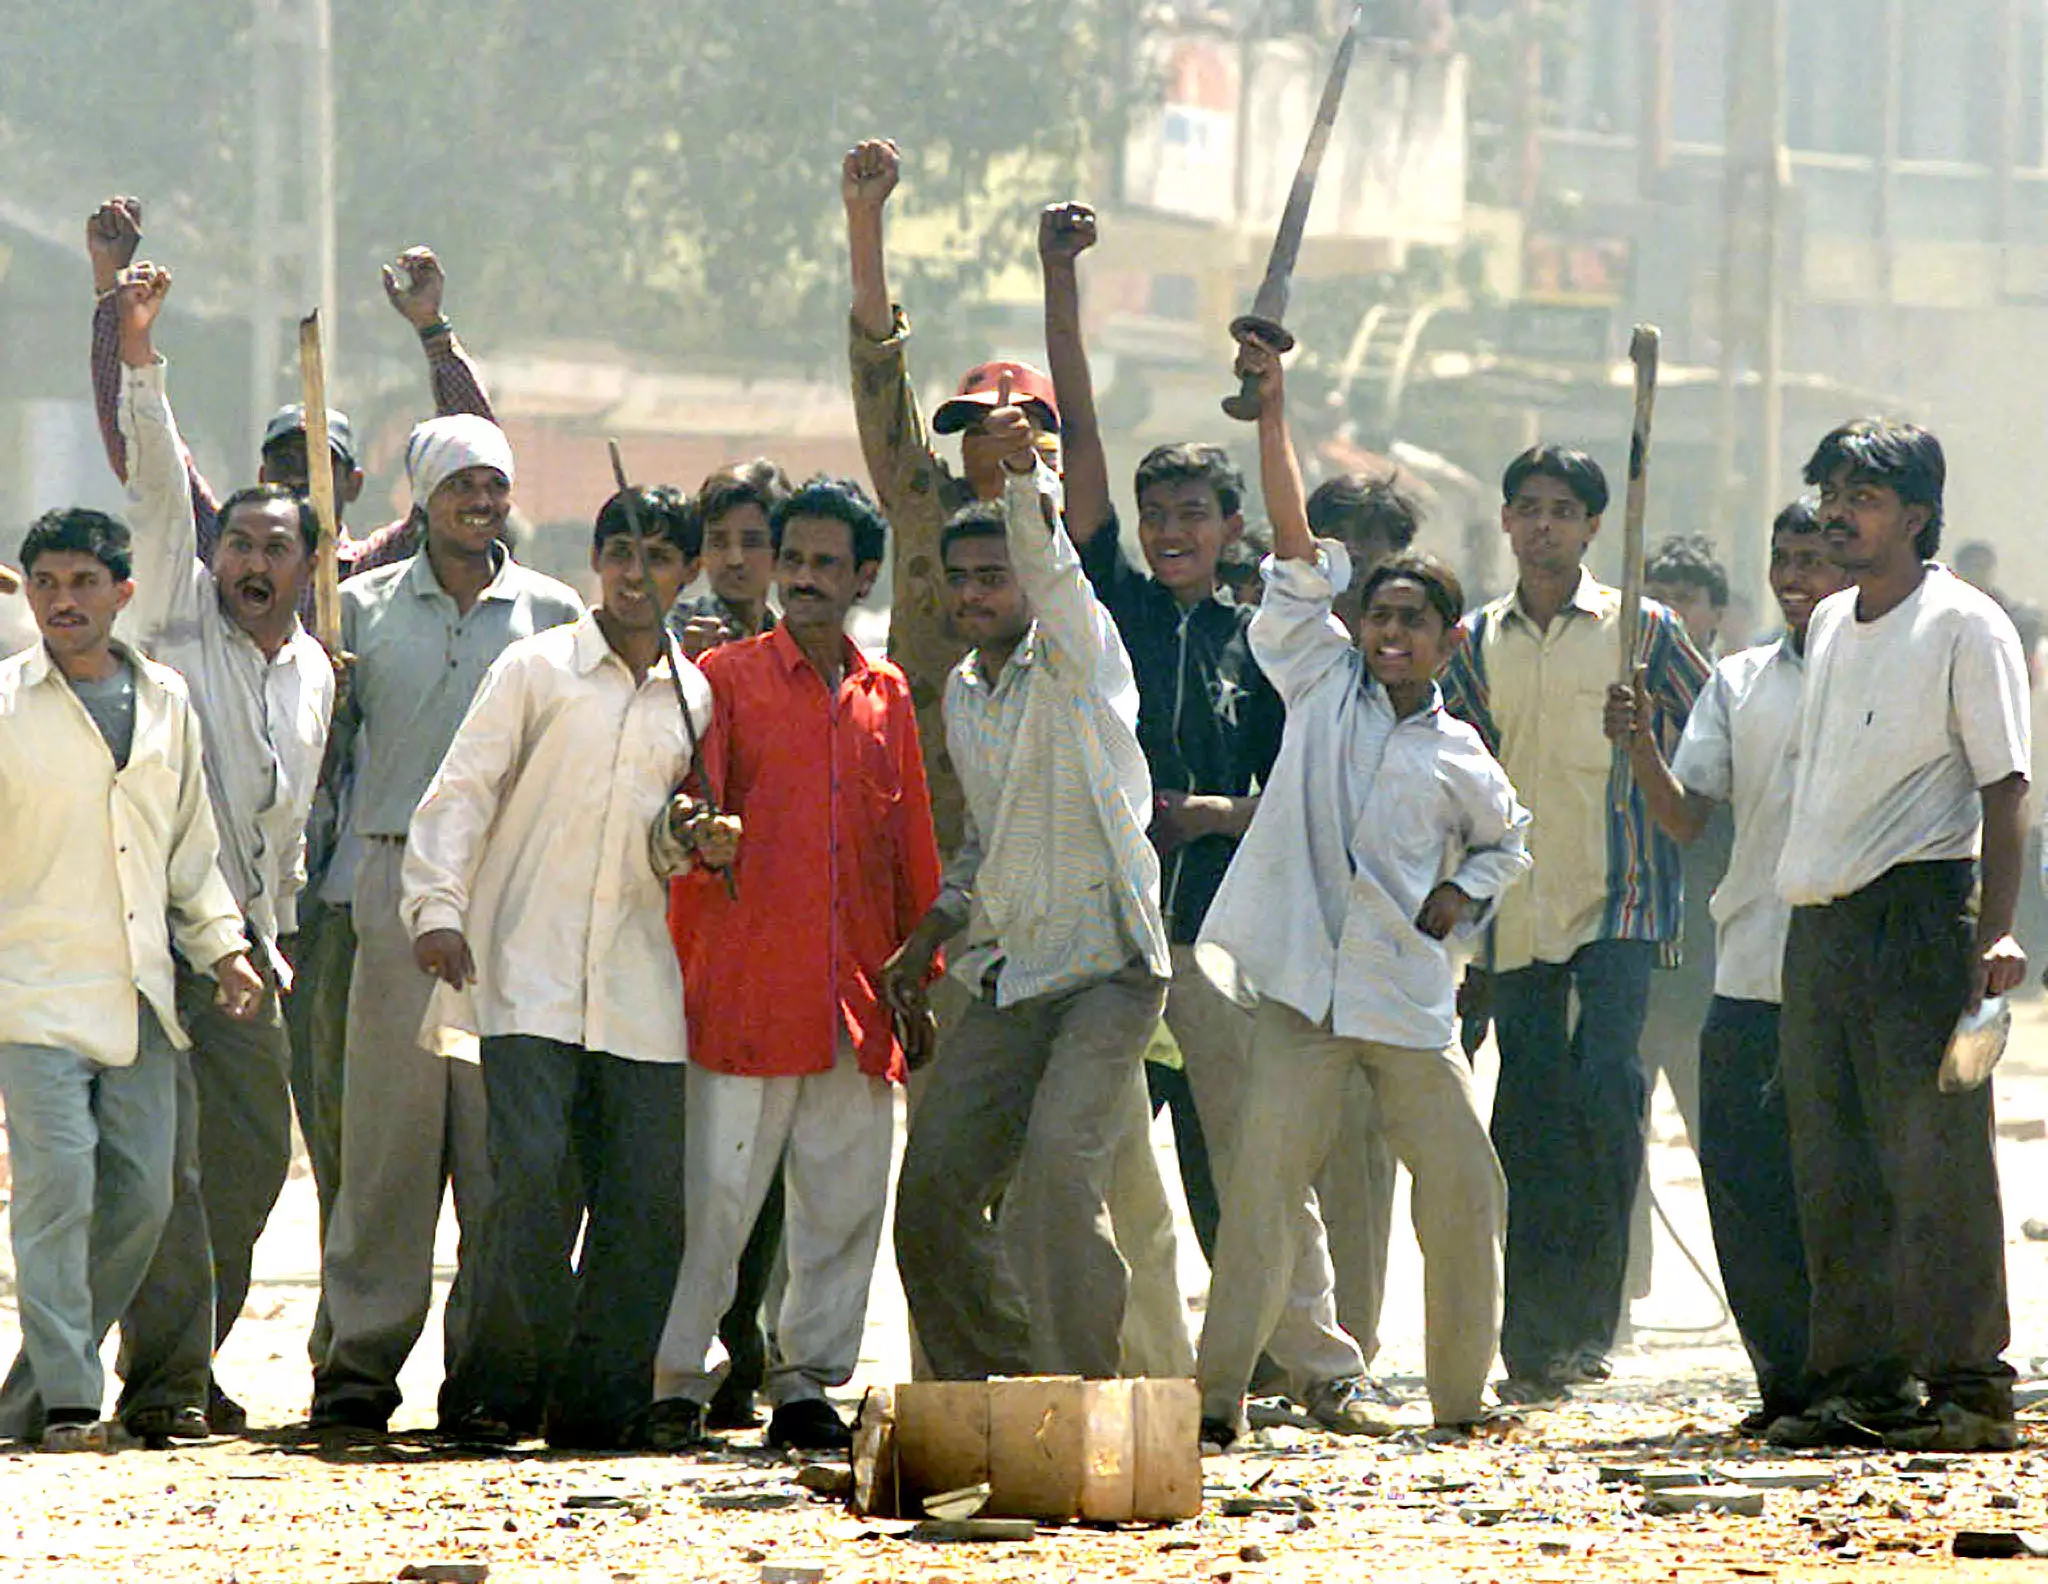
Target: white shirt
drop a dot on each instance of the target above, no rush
(532, 840)
(1064, 885)
(265, 717)
(1904, 719)
(1364, 815)
(1737, 749)
(100, 869)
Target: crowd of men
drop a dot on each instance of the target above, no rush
(625, 922)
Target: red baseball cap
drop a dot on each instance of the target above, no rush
(981, 390)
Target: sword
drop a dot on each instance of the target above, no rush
(320, 484)
(631, 501)
(1263, 322)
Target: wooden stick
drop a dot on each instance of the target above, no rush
(1642, 352)
(320, 485)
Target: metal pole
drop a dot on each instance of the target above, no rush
(318, 167)
(1654, 59)
(1751, 561)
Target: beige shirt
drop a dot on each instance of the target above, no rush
(1548, 690)
(265, 716)
(101, 869)
(532, 841)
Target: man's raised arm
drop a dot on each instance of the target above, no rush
(169, 579)
(112, 234)
(1065, 232)
(416, 285)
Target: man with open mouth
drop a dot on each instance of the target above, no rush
(264, 690)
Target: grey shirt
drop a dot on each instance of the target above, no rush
(418, 663)
(111, 704)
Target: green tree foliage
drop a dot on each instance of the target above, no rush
(659, 173)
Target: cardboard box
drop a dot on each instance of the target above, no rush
(1048, 1447)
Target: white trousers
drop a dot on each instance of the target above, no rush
(832, 1134)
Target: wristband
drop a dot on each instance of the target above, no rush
(439, 327)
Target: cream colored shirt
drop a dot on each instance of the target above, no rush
(532, 841)
(265, 716)
(102, 869)
(1548, 689)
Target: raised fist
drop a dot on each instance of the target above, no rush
(414, 281)
(869, 173)
(112, 234)
(139, 294)
(1065, 232)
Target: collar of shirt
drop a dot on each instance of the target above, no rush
(423, 581)
(1021, 660)
(853, 664)
(1589, 597)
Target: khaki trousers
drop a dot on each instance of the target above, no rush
(1290, 1123)
(1340, 1226)
(412, 1125)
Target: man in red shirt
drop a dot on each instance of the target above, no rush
(793, 1051)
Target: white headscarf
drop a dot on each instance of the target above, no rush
(442, 447)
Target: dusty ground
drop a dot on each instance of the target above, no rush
(1531, 1503)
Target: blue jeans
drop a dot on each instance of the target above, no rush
(91, 1149)
(1568, 1126)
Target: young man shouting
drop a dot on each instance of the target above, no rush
(1385, 827)
(264, 690)
(793, 1052)
(1736, 756)
(1902, 865)
(1210, 725)
(110, 857)
(1058, 891)
(528, 876)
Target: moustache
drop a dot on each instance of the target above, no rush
(799, 591)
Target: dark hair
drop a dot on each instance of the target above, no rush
(1355, 507)
(757, 483)
(80, 529)
(842, 500)
(1901, 456)
(1572, 468)
(264, 495)
(665, 513)
(981, 519)
(1445, 593)
(1799, 517)
(1688, 560)
(1192, 462)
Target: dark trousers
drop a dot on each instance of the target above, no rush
(1746, 1167)
(322, 956)
(234, 1149)
(1568, 1128)
(1898, 1182)
(573, 1132)
(1168, 1088)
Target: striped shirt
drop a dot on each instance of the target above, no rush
(1054, 878)
(1602, 871)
